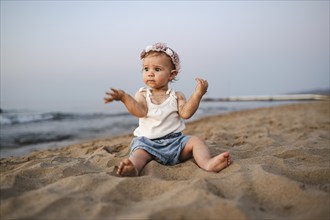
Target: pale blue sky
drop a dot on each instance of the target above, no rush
(61, 55)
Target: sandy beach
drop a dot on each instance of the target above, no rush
(280, 171)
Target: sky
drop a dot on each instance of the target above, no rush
(64, 55)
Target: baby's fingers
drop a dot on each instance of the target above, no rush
(202, 86)
(111, 92)
(107, 100)
(202, 81)
(110, 95)
(115, 94)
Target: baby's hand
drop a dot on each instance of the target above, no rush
(202, 86)
(114, 94)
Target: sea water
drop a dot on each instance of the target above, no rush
(23, 131)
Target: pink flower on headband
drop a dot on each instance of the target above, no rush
(161, 47)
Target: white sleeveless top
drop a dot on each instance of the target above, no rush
(161, 119)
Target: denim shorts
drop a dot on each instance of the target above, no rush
(166, 149)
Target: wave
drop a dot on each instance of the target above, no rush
(17, 117)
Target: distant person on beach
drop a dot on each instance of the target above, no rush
(161, 112)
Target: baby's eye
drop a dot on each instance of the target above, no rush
(157, 69)
(146, 69)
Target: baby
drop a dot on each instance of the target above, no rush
(161, 112)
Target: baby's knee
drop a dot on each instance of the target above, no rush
(197, 139)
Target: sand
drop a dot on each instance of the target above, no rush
(280, 171)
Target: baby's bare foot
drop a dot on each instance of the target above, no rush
(127, 168)
(219, 162)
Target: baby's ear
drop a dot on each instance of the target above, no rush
(174, 73)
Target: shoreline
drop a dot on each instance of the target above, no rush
(280, 170)
(59, 129)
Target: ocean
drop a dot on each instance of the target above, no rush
(23, 131)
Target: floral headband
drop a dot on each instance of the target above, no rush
(161, 47)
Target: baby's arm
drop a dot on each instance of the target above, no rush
(136, 106)
(188, 108)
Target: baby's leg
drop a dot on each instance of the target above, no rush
(197, 148)
(132, 166)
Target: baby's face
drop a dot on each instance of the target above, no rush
(157, 71)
